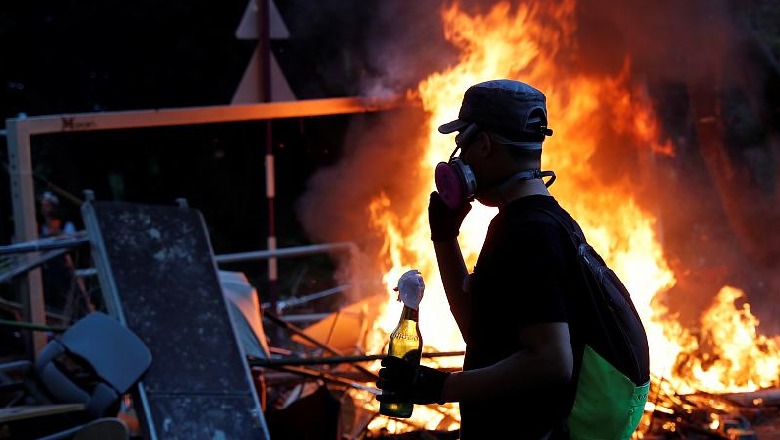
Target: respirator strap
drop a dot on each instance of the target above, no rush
(534, 174)
(550, 174)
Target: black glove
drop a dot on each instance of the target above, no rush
(445, 222)
(404, 382)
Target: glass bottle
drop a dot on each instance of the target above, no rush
(406, 343)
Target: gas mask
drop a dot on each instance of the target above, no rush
(455, 182)
(457, 185)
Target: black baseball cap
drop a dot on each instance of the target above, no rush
(513, 109)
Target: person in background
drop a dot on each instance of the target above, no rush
(518, 312)
(52, 225)
(58, 276)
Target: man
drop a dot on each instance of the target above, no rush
(52, 224)
(515, 311)
(58, 272)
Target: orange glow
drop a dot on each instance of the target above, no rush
(730, 355)
(524, 42)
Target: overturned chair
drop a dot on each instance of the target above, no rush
(95, 362)
(75, 386)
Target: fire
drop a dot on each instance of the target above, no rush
(525, 42)
(731, 355)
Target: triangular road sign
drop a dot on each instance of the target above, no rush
(248, 29)
(248, 91)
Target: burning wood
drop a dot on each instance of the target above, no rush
(668, 415)
(703, 415)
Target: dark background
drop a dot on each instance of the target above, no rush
(93, 56)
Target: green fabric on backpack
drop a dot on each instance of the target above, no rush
(608, 405)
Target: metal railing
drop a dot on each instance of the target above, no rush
(297, 251)
(57, 246)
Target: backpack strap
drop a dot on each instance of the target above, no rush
(604, 276)
(578, 239)
(574, 231)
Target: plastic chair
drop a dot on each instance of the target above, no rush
(95, 362)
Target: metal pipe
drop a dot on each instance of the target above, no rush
(86, 272)
(220, 259)
(29, 264)
(31, 326)
(306, 317)
(272, 363)
(264, 56)
(78, 239)
(287, 326)
(286, 252)
(327, 377)
(304, 299)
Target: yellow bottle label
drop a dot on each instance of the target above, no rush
(405, 343)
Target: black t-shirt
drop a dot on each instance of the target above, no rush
(526, 273)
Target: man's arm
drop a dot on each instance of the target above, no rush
(547, 362)
(452, 269)
(445, 227)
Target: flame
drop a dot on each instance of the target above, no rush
(526, 42)
(730, 354)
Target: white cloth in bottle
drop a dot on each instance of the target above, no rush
(411, 288)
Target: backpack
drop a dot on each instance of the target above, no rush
(613, 377)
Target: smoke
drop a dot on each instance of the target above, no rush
(399, 44)
(714, 82)
(362, 46)
(405, 45)
(380, 155)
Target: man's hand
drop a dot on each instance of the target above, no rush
(445, 222)
(402, 381)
